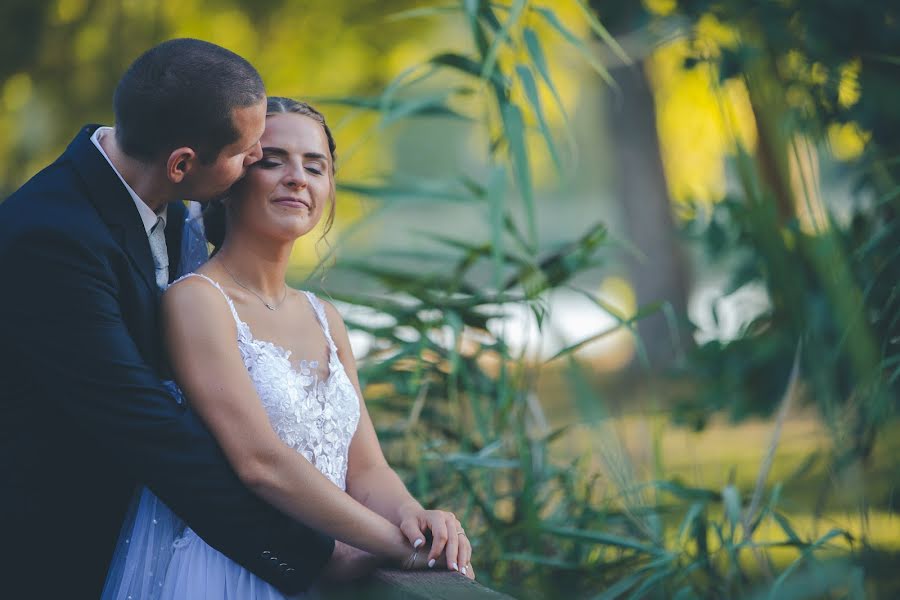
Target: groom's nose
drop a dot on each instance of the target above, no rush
(254, 155)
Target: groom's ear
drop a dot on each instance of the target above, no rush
(180, 163)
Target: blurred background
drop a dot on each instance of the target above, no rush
(622, 276)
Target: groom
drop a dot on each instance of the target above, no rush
(85, 247)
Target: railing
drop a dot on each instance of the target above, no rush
(390, 584)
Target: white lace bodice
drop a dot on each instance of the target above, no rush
(315, 417)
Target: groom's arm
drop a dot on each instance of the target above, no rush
(71, 332)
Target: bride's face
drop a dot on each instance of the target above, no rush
(286, 192)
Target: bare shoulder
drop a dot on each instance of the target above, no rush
(195, 301)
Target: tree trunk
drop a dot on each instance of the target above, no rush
(659, 273)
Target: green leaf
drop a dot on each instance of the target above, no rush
(501, 37)
(578, 44)
(580, 344)
(540, 560)
(606, 539)
(807, 554)
(433, 104)
(786, 527)
(536, 53)
(731, 498)
(603, 33)
(531, 92)
(647, 585)
(514, 128)
(693, 512)
(496, 203)
(426, 105)
(396, 192)
(472, 9)
(688, 493)
(427, 11)
(469, 66)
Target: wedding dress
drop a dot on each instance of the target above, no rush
(316, 417)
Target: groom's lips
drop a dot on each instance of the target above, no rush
(294, 202)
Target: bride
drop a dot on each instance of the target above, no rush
(271, 372)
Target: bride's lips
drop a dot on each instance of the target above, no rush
(292, 202)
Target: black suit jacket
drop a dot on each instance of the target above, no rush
(83, 414)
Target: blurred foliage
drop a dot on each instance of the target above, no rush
(812, 71)
(459, 409)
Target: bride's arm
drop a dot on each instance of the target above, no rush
(375, 484)
(201, 339)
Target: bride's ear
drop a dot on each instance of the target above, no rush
(180, 162)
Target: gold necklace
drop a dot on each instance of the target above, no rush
(266, 304)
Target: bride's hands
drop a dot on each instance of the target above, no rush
(418, 560)
(449, 542)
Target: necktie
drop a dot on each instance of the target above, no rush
(159, 252)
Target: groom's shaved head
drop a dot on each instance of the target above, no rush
(182, 93)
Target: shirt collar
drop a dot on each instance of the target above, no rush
(148, 217)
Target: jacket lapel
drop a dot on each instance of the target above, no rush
(113, 203)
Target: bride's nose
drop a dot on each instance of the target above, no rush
(296, 178)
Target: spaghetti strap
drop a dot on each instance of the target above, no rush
(319, 309)
(216, 285)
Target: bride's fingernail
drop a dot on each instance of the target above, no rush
(418, 543)
(464, 571)
(431, 563)
(455, 567)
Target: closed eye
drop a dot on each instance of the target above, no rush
(267, 163)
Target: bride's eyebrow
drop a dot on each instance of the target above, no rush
(281, 152)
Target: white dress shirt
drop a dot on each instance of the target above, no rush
(148, 217)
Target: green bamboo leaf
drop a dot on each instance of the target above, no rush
(514, 128)
(496, 203)
(531, 92)
(426, 105)
(621, 586)
(731, 498)
(687, 492)
(396, 193)
(603, 33)
(557, 433)
(473, 461)
(433, 104)
(486, 12)
(582, 343)
(501, 37)
(578, 44)
(626, 583)
(427, 11)
(536, 53)
(606, 539)
(540, 560)
(786, 527)
(401, 80)
(469, 66)
(807, 554)
(693, 512)
(649, 582)
(472, 9)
